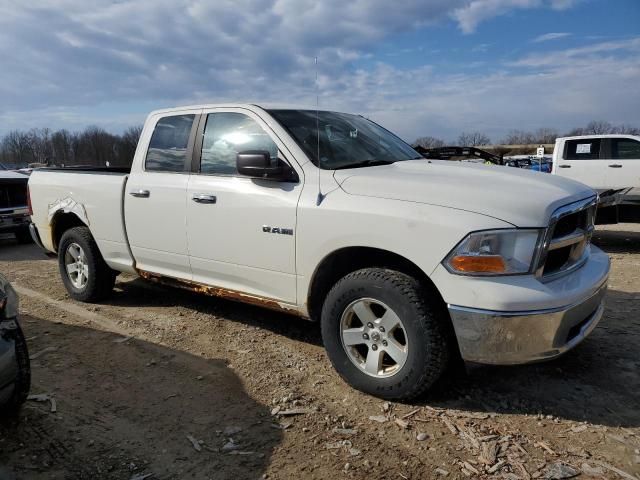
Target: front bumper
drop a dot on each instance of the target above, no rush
(506, 337)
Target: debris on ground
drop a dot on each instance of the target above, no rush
(196, 445)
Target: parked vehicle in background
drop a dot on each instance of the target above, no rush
(15, 372)
(610, 164)
(529, 162)
(14, 211)
(407, 262)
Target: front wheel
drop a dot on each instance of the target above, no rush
(382, 334)
(84, 272)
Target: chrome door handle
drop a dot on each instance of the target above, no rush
(615, 165)
(564, 166)
(203, 198)
(140, 193)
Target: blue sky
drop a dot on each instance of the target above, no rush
(418, 67)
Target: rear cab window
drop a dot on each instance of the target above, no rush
(168, 145)
(582, 149)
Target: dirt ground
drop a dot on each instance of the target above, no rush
(160, 383)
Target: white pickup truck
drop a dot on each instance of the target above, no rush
(407, 263)
(607, 163)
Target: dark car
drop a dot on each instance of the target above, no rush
(15, 371)
(14, 208)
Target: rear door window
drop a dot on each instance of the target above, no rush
(583, 149)
(625, 149)
(168, 146)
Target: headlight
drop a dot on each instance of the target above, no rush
(495, 252)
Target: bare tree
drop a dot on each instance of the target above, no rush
(62, 147)
(40, 145)
(473, 139)
(518, 137)
(16, 146)
(428, 142)
(545, 135)
(626, 130)
(598, 127)
(576, 132)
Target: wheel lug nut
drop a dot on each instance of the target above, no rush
(370, 325)
(384, 343)
(374, 347)
(365, 336)
(381, 328)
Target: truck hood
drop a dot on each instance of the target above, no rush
(520, 197)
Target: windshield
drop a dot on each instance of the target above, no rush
(346, 141)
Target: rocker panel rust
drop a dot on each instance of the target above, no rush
(222, 293)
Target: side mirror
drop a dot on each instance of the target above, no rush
(257, 164)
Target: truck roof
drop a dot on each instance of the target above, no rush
(248, 106)
(608, 135)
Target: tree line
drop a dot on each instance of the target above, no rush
(93, 146)
(522, 137)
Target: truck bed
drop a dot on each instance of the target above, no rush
(95, 195)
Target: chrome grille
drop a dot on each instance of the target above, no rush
(567, 239)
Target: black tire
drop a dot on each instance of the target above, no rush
(23, 236)
(427, 339)
(101, 278)
(22, 383)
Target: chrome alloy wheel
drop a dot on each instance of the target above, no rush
(77, 268)
(374, 337)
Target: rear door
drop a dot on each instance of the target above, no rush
(580, 160)
(155, 196)
(622, 158)
(241, 230)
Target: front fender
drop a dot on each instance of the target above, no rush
(423, 234)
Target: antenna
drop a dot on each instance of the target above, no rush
(320, 194)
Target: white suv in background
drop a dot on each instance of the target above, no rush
(605, 163)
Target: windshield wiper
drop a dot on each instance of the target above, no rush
(366, 163)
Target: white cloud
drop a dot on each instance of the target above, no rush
(474, 12)
(573, 57)
(477, 11)
(563, 4)
(550, 36)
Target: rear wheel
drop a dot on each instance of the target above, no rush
(382, 334)
(84, 272)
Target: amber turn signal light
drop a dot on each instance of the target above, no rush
(478, 264)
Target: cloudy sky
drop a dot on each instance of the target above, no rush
(430, 67)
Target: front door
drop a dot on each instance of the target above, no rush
(241, 231)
